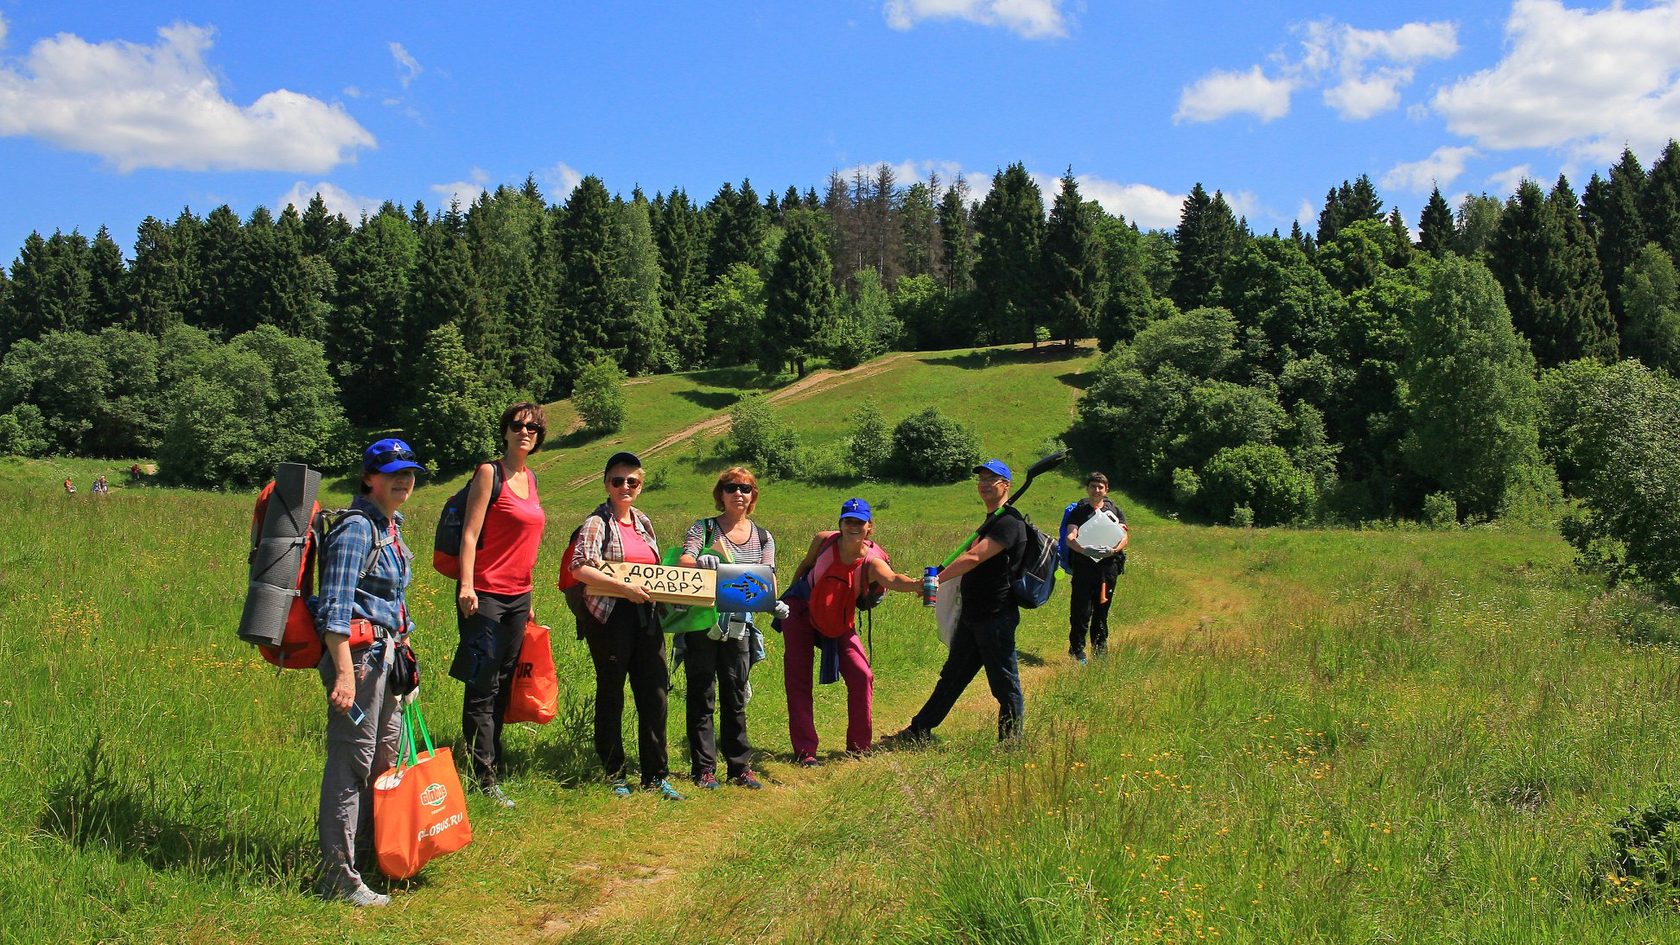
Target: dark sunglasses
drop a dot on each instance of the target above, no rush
(518, 426)
(744, 488)
(618, 481)
(387, 456)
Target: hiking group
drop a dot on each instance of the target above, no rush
(368, 671)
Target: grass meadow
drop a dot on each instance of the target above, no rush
(1384, 735)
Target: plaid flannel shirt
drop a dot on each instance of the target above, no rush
(589, 550)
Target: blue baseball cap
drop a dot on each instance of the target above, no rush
(855, 508)
(388, 456)
(996, 468)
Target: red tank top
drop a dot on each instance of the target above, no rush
(513, 529)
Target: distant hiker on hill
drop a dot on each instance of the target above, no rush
(841, 570)
(985, 632)
(624, 637)
(494, 595)
(1094, 568)
(362, 716)
(101, 487)
(69, 487)
(717, 661)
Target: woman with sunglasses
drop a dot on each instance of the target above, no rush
(624, 638)
(499, 538)
(719, 659)
(365, 574)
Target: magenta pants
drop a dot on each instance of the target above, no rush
(798, 653)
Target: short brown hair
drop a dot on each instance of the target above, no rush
(735, 474)
(1096, 478)
(525, 407)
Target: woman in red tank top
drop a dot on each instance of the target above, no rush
(499, 539)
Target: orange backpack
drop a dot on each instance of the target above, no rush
(300, 645)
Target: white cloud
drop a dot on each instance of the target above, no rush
(1585, 81)
(1507, 181)
(1220, 94)
(1307, 215)
(1362, 71)
(411, 67)
(560, 180)
(162, 106)
(1030, 19)
(465, 191)
(338, 199)
(1439, 169)
(1151, 208)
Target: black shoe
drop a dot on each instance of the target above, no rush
(908, 738)
(1078, 656)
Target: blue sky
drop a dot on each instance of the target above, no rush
(112, 112)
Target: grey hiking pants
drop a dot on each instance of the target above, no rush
(356, 754)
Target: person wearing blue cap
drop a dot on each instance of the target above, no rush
(366, 570)
(838, 569)
(985, 632)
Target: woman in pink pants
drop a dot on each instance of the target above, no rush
(840, 567)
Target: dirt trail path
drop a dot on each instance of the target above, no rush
(806, 387)
(670, 861)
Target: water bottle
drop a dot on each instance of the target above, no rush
(930, 587)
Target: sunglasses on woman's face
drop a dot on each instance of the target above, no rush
(740, 488)
(522, 427)
(619, 482)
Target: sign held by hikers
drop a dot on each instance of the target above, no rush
(668, 584)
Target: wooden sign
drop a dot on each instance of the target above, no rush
(665, 583)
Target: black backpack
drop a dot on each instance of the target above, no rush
(1035, 575)
(446, 542)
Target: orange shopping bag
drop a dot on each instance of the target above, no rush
(419, 810)
(535, 696)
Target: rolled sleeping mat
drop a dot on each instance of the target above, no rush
(295, 487)
(266, 609)
(746, 588)
(278, 561)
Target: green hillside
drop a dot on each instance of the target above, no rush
(1313, 736)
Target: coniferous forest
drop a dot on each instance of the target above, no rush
(1489, 364)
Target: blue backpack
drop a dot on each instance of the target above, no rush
(1061, 540)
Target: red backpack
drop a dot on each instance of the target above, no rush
(836, 587)
(300, 645)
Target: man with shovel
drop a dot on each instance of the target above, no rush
(985, 632)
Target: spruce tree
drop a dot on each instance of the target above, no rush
(678, 230)
(451, 419)
(1008, 284)
(918, 230)
(636, 329)
(956, 239)
(1075, 278)
(217, 297)
(1435, 226)
(366, 348)
(1130, 298)
(799, 296)
(107, 293)
(50, 288)
(1611, 210)
(586, 279)
(157, 287)
(1553, 288)
(446, 292)
(323, 230)
(1660, 207)
(1206, 237)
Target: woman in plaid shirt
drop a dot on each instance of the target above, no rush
(624, 638)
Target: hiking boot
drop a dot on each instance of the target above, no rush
(669, 793)
(494, 793)
(1078, 656)
(707, 780)
(621, 788)
(364, 898)
(746, 779)
(807, 761)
